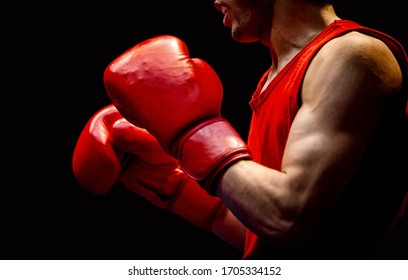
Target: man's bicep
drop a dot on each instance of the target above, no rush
(340, 109)
(319, 156)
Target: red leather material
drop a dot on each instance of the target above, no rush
(157, 86)
(95, 162)
(208, 148)
(111, 149)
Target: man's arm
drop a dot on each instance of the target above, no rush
(344, 95)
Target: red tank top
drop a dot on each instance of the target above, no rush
(275, 108)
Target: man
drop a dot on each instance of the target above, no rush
(322, 173)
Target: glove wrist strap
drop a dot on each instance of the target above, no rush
(207, 149)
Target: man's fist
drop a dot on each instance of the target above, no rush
(111, 149)
(156, 85)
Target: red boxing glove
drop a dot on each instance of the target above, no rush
(110, 148)
(156, 85)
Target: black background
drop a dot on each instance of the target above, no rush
(53, 59)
